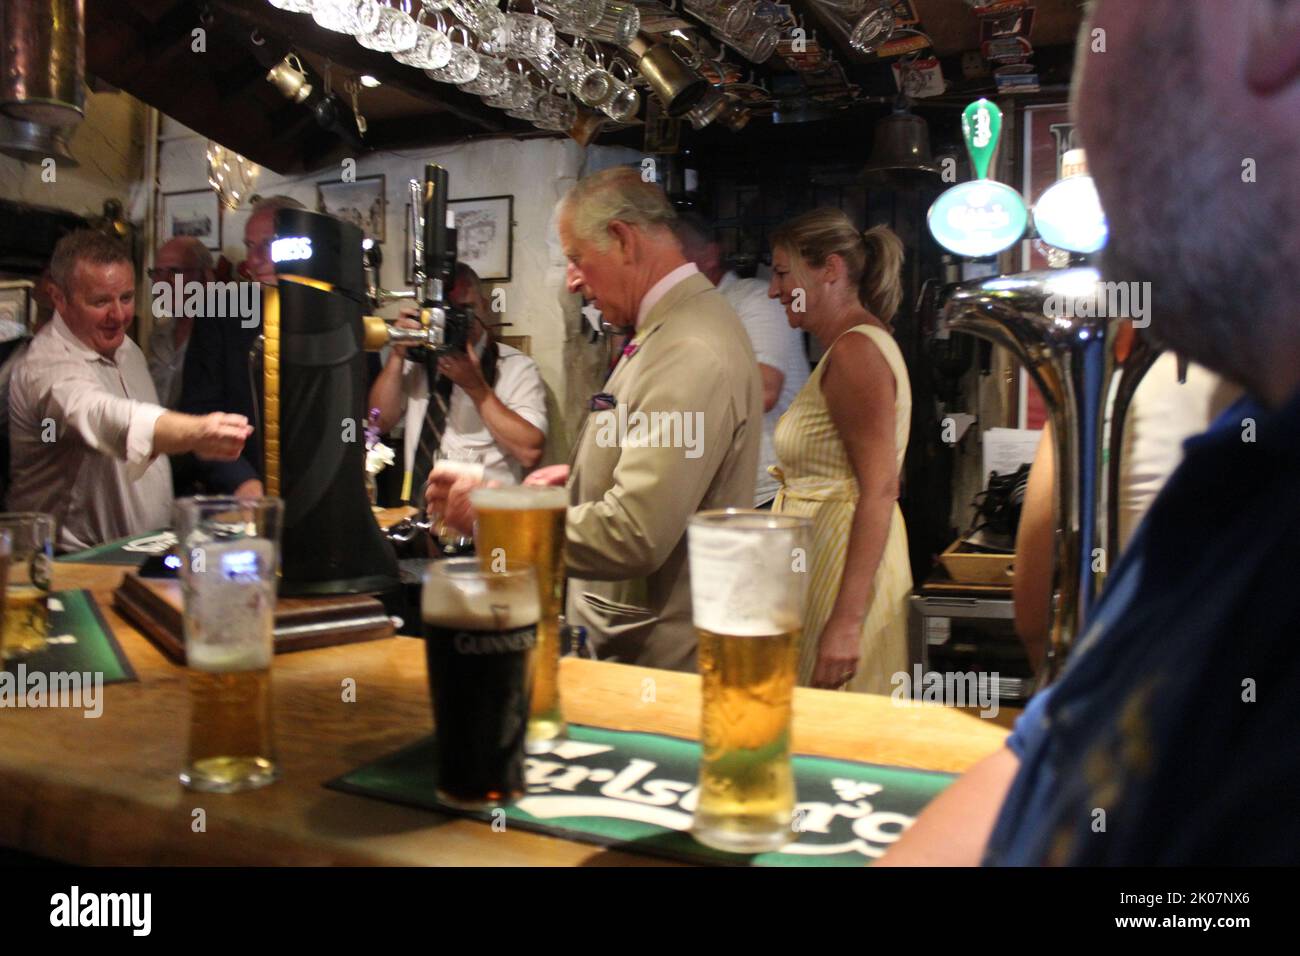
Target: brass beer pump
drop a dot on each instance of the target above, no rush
(1087, 369)
(1073, 335)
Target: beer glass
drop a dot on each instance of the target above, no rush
(463, 64)
(230, 552)
(572, 16)
(556, 112)
(528, 111)
(493, 77)
(874, 29)
(480, 628)
(528, 35)
(432, 49)
(29, 573)
(730, 18)
(589, 81)
(347, 16)
(446, 537)
(618, 25)
(520, 526)
(487, 22)
(395, 32)
(514, 94)
(623, 101)
(748, 585)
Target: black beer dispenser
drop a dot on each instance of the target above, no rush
(314, 411)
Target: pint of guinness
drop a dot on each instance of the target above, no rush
(480, 628)
(525, 525)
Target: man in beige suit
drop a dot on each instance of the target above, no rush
(676, 431)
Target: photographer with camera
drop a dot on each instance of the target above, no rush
(488, 399)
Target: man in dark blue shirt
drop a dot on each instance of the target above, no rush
(220, 366)
(1170, 738)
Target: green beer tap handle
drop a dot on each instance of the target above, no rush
(981, 125)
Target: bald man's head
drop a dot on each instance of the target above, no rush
(1190, 112)
(187, 255)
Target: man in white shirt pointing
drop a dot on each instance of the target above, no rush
(87, 432)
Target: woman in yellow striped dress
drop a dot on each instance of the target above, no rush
(841, 445)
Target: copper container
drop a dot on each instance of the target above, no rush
(44, 61)
(901, 144)
(32, 142)
(676, 84)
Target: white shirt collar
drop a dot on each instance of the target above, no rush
(70, 339)
(662, 288)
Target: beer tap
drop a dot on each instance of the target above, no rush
(444, 327)
(1086, 367)
(372, 259)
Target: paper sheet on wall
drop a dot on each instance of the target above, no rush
(1006, 449)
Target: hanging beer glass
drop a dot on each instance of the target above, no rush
(395, 31)
(356, 17)
(432, 49)
(623, 101)
(463, 65)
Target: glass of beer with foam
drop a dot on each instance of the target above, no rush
(480, 629)
(230, 555)
(748, 586)
(520, 525)
(30, 569)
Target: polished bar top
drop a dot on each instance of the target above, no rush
(104, 791)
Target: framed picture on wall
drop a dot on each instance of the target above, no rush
(361, 203)
(194, 213)
(484, 234)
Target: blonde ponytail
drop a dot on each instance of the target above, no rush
(874, 259)
(881, 285)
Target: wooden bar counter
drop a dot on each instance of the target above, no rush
(104, 791)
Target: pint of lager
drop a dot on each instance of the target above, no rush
(525, 525)
(480, 629)
(748, 585)
(229, 555)
(28, 574)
